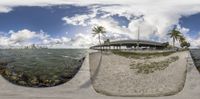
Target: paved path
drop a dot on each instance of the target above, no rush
(80, 88)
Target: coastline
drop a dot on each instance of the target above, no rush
(39, 68)
(75, 89)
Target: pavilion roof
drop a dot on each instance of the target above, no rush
(133, 43)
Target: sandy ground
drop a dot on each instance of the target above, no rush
(80, 88)
(115, 77)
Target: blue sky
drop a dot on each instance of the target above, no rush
(193, 23)
(48, 19)
(61, 24)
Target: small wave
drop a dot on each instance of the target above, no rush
(49, 53)
(69, 57)
(75, 58)
(66, 56)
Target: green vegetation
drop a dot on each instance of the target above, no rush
(177, 35)
(142, 55)
(98, 30)
(174, 34)
(150, 67)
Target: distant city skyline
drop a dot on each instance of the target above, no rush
(67, 24)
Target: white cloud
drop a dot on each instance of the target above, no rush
(83, 40)
(4, 9)
(26, 37)
(110, 25)
(77, 20)
(159, 16)
(20, 38)
(194, 41)
(55, 41)
(21, 35)
(80, 19)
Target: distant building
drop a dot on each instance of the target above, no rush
(33, 46)
(131, 44)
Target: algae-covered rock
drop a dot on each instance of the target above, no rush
(33, 80)
(22, 83)
(41, 67)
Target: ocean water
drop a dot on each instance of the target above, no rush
(45, 64)
(195, 53)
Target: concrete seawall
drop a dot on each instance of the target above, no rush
(80, 87)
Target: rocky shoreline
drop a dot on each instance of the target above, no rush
(196, 57)
(38, 81)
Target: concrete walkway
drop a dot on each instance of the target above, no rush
(80, 87)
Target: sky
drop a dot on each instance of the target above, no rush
(68, 23)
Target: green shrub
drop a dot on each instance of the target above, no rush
(146, 68)
(142, 55)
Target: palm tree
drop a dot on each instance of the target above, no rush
(174, 34)
(185, 44)
(182, 39)
(98, 30)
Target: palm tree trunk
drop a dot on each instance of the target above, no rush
(100, 42)
(174, 43)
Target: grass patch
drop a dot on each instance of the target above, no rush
(138, 55)
(150, 67)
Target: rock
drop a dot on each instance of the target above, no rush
(22, 83)
(82, 59)
(56, 82)
(2, 69)
(33, 80)
(14, 78)
(24, 77)
(66, 75)
(7, 72)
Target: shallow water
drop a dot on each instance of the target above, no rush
(42, 63)
(195, 53)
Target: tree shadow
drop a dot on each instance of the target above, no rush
(89, 81)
